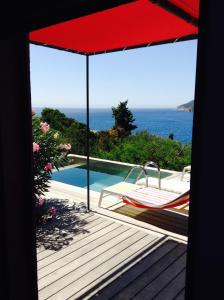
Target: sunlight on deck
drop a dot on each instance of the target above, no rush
(109, 259)
(113, 253)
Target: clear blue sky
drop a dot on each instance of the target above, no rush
(154, 77)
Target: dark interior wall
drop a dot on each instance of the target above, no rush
(18, 255)
(205, 248)
(17, 232)
(25, 15)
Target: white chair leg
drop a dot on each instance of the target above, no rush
(101, 198)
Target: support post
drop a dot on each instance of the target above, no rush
(88, 129)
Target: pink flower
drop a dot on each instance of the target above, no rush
(36, 147)
(48, 167)
(41, 201)
(44, 126)
(53, 211)
(67, 146)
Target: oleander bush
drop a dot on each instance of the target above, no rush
(48, 153)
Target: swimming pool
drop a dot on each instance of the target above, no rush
(102, 174)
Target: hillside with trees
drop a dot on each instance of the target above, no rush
(118, 143)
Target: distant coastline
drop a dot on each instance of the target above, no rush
(187, 107)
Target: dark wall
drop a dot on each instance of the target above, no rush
(206, 250)
(18, 260)
(25, 16)
(18, 256)
(17, 232)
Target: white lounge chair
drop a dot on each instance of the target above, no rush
(155, 199)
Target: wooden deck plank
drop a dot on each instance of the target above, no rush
(88, 217)
(162, 219)
(94, 227)
(152, 289)
(151, 273)
(93, 262)
(148, 227)
(79, 257)
(78, 242)
(166, 216)
(173, 288)
(108, 269)
(130, 275)
(80, 279)
(75, 272)
(159, 222)
(71, 194)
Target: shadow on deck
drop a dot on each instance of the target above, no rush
(107, 259)
(159, 275)
(55, 232)
(168, 220)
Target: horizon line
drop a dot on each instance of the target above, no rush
(69, 107)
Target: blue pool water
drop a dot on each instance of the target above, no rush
(101, 175)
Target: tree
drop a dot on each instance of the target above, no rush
(171, 136)
(76, 134)
(123, 119)
(57, 119)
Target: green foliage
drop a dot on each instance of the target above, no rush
(76, 134)
(123, 119)
(117, 143)
(143, 147)
(105, 141)
(70, 130)
(56, 119)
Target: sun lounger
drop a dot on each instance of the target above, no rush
(117, 189)
(153, 198)
(172, 189)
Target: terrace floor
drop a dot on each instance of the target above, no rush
(172, 222)
(109, 256)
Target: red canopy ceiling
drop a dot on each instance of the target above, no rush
(131, 25)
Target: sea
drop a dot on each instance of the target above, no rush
(160, 122)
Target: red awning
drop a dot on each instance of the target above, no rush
(138, 23)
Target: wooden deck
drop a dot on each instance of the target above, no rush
(110, 259)
(173, 221)
(160, 275)
(111, 255)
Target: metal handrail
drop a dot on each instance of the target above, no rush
(142, 171)
(152, 163)
(186, 169)
(156, 165)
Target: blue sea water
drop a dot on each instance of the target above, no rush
(157, 121)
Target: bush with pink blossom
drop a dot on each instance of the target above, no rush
(48, 154)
